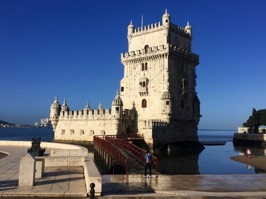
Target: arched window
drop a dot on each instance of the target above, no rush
(144, 103)
(143, 84)
(146, 48)
(142, 66)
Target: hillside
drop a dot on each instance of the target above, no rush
(5, 123)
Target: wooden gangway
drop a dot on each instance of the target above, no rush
(123, 152)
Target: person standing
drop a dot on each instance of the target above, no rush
(248, 153)
(148, 163)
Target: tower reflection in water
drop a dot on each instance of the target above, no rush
(174, 160)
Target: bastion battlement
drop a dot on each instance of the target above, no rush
(93, 114)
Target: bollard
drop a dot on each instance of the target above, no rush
(92, 191)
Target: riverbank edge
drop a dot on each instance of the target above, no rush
(256, 161)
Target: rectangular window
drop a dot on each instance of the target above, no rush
(167, 102)
(63, 132)
(122, 89)
(72, 131)
(81, 132)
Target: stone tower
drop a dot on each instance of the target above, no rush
(55, 112)
(160, 78)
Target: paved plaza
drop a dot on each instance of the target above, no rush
(68, 182)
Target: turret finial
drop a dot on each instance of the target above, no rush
(56, 99)
(188, 28)
(100, 106)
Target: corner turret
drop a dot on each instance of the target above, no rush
(87, 108)
(130, 31)
(166, 106)
(64, 106)
(166, 19)
(166, 22)
(100, 107)
(117, 106)
(188, 29)
(55, 112)
(130, 28)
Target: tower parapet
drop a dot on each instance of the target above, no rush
(158, 51)
(133, 31)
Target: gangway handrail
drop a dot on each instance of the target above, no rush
(113, 151)
(140, 153)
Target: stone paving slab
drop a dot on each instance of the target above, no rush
(56, 182)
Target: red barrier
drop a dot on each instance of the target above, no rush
(118, 142)
(113, 151)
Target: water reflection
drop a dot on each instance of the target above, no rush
(174, 161)
(257, 151)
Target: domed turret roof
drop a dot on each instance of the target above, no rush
(64, 106)
(87, 107)
(117, 101)
(166, 14)
(56, 104)
(131, 25)
(188, 26)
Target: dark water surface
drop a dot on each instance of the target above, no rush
(212, 160)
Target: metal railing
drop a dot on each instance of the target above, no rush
(116, 141)
(112, 150)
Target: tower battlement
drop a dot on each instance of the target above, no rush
(157, 27)
(148, 28)
(158, 50)
(179, 30)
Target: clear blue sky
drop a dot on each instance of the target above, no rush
(71, 49)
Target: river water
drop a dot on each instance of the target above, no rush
(212, 160)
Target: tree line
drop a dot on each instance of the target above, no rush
(258, 118)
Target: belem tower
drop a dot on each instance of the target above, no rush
(157, 97)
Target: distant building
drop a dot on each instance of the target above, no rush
(45, 122)
(157, 97)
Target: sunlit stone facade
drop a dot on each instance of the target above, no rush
(157, 93)
(160, 77)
